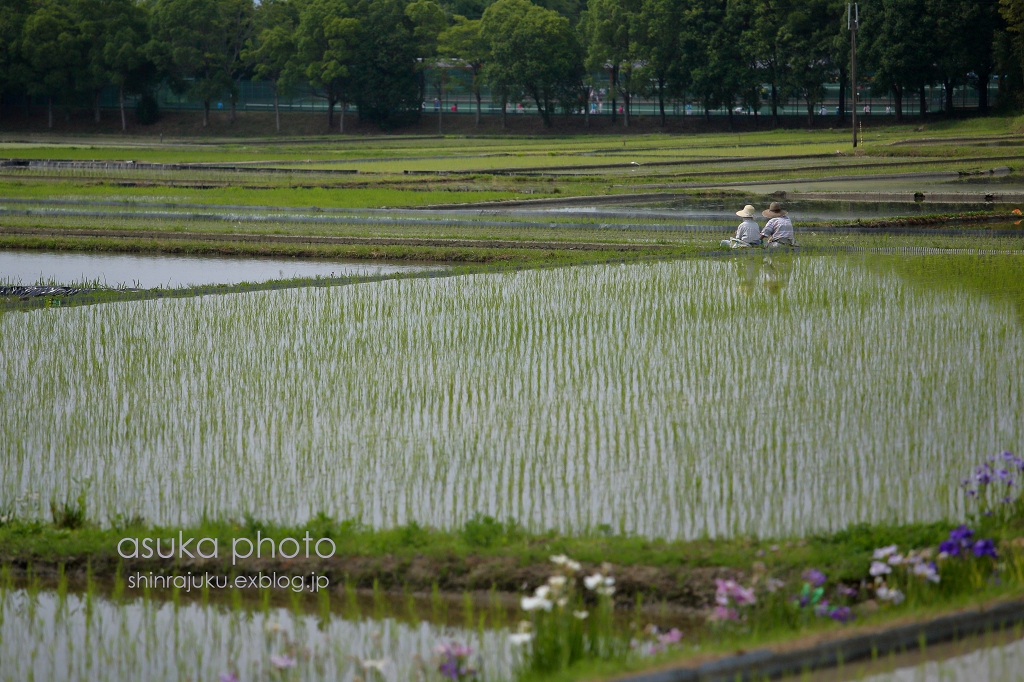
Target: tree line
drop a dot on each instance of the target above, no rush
(388, 56)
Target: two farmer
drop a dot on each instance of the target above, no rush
(778, 230)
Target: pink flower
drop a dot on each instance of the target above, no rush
(724, 613)
(282, 661)
(228, 677)
(670, 637)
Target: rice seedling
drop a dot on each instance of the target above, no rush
(677, 400)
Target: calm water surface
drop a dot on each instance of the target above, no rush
(77, 637)
(148, 272)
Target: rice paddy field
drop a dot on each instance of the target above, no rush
(537, 330)
(674, 399)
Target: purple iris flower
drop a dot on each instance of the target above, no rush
(949, 547)
(449, 668)
(841, 614)
(814, 577)
(985, 548)
(960, 534)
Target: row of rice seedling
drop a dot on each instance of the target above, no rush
(675, 400)
(61, 635)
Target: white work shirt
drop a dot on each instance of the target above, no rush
(778, 228)
(748, 231)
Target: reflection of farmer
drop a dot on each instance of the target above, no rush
(747, 273)
(776, 274)
(748, 233)
(778, 230)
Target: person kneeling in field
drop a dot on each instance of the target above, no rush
(778, 230)
(748, 233)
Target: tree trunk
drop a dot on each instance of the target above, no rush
(625, 109)
(897, 99)
(277, 111)
(234, 115)
(49, 111)
(612, 77)
(924, 103)
(730, 116)
(504, 110)
(983, 93)
(330, 113)
(120, 99)
(948, 86)
(341, 116)
(775, 106)
(206, 113)
(707, 111)
(842, 96)
(478, 106)
(661, 100)
(96, 107)
(810, 113)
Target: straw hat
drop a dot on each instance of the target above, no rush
(773, 211)
(747, 212)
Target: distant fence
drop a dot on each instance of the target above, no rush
(459, 99)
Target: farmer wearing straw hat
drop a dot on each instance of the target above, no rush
(748, 233)
(778, 230)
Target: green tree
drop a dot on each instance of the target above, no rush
(327, 35)
(199, 43)
(429, 22)
(978, 44)
(899, 49)
(765, 47)
(531, 49)
(464, 41)
(807, 35)
(272, 49)
(659, 28)
(613, 30)
(722, 76)
(387, 86)
(12, 22)
(52, 49)
(122, 59)
(91, 18)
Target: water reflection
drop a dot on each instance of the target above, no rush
(151, 271)
(994, 657)
(50, 635)
(757, 271)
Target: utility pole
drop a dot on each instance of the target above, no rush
(852, 20)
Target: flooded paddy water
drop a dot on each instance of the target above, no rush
(99, 635)
(676, 399)
(116, 270)
(993, 657)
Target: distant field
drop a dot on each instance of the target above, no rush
(170, 188)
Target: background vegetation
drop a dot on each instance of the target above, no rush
(389, 56)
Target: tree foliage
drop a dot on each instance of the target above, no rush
(552, 54)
